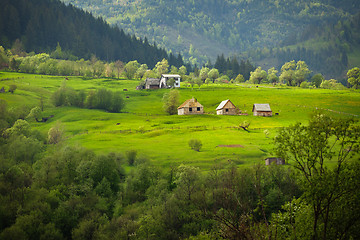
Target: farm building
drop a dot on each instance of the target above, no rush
(166, 77)
(163, 82)
(263, 110)
(190, 106)
(274, 160)
(152, 83)
(226, 107)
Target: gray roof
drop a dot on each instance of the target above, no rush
(263, 107)
(152, 81)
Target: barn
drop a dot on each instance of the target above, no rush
(190, 106)
(262, 110)
(226, 107)
(152, 83)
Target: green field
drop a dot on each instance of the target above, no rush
(163, 139)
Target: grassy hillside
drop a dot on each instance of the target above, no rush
(144, 126)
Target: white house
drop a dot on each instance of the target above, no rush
(165, 77)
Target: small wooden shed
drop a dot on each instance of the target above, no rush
(226, 107)
(152, 83)
(262, 110)
(190, 106)
(274, 160)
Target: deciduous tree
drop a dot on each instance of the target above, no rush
(131, 68)
(272, 76)
(317, 79)
(141, 71)
(301, 72)
(258, 76)
(213, 74)
(310, 147)
(204, 73)
(56, 133)
(171, 101)
(239, 78)
(354, 77)
(162, 67)
(288, 73)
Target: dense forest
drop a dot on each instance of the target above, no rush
(41, 25)
(326, 48)
(201, 30)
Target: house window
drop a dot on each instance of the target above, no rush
(226, 109)
(198, 109)
(190, 109)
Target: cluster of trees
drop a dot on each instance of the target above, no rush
(232, 68)
(328, 197)
(99, 99)
(53, 191)
(49, 64)
(42, 24)
(224, 71)
(296, 74)
(292, 73)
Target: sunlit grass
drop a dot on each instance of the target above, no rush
(163, 139)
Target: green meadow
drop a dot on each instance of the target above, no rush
(163, 139)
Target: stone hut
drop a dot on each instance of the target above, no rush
(262, 110)
(190, 106)
(226, 107)
(274, 160)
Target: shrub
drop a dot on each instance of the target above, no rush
(55, 134)
(12, 88)
(131, 156)
(195, 144)
(331, 84)
(35, 113)
(117, 102)
(305, 85)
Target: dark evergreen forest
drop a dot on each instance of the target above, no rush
(42, 24)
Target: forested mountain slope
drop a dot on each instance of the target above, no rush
(211, 27)
(42, 24)
(329, 48)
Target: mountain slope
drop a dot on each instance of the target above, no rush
(211, 27)
(330, 49)
(42, 24)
